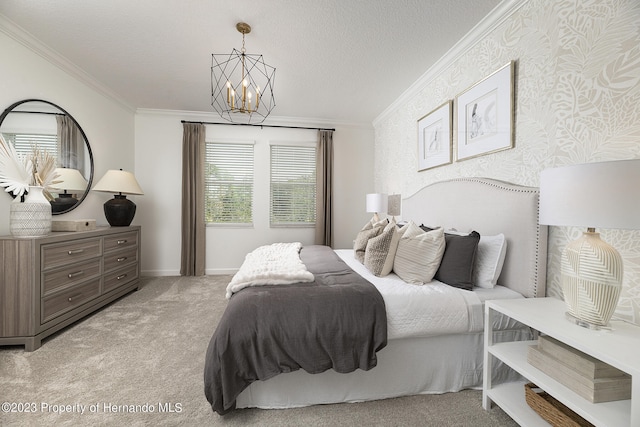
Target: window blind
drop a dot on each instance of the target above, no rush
(293, 185)
(228, 183)
(24, 142)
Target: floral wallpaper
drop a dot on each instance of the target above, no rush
(577, 76)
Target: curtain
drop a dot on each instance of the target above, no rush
(192, 261)
(70, 144)
(324, 188)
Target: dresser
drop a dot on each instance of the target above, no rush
(48, 283)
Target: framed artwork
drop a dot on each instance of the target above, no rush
(485, 115)
(434, 137)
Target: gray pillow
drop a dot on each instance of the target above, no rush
(456, 267)
(381, 251)
(362, 239)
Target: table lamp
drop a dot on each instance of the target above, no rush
(376, 203)
(603, 195)
(71, 182)
(393, 205)
(119, 211)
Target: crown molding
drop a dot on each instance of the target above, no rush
(23, 37)
(496, 17)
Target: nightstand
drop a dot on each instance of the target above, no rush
(619, 347)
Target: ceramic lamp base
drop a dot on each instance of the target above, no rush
(591, 279)
(119, 211)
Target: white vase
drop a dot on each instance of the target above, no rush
(31, 218)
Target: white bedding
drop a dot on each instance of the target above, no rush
(441, 363)
(428, 310)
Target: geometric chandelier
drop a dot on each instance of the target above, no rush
(242, 84)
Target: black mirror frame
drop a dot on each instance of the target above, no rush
(86, 141)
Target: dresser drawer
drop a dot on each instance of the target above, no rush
(120, 259)
(59, 254)
(120, 241)
(70, 275)
(69, 299)
(119, 278)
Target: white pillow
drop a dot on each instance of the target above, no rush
(419, 254)
(489, 260)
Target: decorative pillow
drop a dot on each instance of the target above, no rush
(419, 254)
(367, 232)
(381, 250)
(489, 260)
(456, 268)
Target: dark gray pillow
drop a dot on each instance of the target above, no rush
(456, 267)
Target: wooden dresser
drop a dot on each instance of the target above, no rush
(50, 282)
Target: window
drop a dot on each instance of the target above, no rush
(228, 183)
(24, 142)
(293, 185)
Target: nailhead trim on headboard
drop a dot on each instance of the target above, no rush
(536, 254)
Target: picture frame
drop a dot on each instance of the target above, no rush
(435, 137)
(485, 115)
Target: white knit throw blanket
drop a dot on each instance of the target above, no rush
(276, 264)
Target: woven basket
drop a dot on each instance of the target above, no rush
(551, 410)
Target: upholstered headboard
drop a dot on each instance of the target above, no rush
(490, 207)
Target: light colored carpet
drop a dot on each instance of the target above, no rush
(148, 348)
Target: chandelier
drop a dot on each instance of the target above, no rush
(242, 84)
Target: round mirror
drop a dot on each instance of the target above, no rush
(36, 122)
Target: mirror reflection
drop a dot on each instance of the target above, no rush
(35, 122)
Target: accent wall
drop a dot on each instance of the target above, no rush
(577, 85)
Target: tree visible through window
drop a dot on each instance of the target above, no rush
(228, 183)
(293, 185)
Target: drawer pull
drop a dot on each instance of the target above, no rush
(77, 273)
(71, 298)
(75, 251)
(122, 259)
(122, 276)
(121, 242)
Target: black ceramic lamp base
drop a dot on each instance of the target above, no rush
(119, 211)
(63, 203)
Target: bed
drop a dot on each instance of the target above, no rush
(419, 361)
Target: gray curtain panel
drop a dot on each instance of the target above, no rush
(70, 144)
(324, 189)
(193, 222)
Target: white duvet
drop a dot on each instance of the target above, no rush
(427, 310)
(276, 264)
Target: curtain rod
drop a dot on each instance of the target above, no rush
(261, 126)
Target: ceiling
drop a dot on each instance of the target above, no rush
(335, 60)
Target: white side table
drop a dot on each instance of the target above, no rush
(619, 347)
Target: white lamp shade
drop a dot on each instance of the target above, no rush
(597, 195)
(377, 202)
(71, 180)
(118, 181)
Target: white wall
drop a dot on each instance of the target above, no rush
(577, 101)
(117, 135)
(108, 124)
(158, 170)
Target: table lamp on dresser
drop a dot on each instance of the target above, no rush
(119, 211)
(603, 195)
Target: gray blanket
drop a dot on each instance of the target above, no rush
(336, 322)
